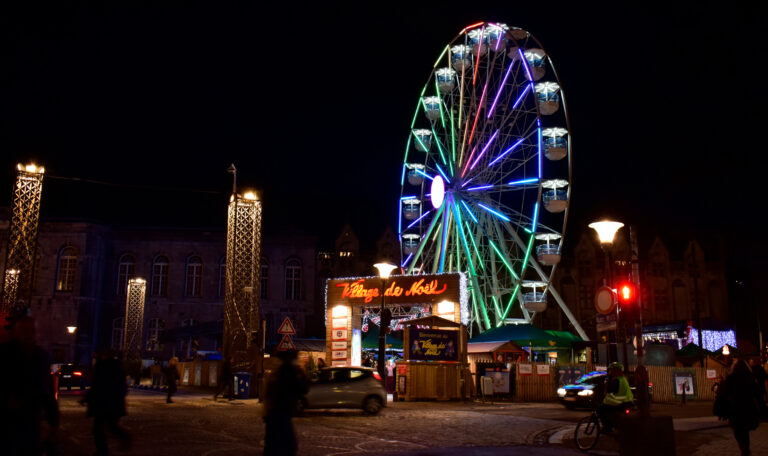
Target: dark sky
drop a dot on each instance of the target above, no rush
(313, 104)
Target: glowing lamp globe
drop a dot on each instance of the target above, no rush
(606, 230)
(385, 269)
(437, 192)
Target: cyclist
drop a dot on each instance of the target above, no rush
(617, 398)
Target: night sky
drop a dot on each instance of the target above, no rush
(312, 103)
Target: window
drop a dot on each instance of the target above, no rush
(160, 276)
(156, 327)
(65, 277)
(126, 270)
(293, 280)
(188, 346)
(264, 278)
(117, 333)
(194, 280)
(222, 276)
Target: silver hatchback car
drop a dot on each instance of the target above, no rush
(345, 387)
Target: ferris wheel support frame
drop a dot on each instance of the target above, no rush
(551, 289)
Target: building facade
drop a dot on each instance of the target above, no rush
(82, 271)
(673, 281)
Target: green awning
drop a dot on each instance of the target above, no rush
(370, 339)
(525, 336)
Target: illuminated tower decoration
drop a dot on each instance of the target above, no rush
(242, 315)
(10, 286)
(134, 319)
(22, 234)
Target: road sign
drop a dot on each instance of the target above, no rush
(286, 327)
(605, 300)
(606, 322)
(286, 344)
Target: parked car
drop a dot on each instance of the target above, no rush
(588, 390)
(345, 387)
(69, 375)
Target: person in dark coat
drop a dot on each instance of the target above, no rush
(225, 381)
(743, 410)
(106, 401)
(171, 377)
(26, 392)
(760, 377)
(285, 387)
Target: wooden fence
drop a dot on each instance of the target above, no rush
(664, 380)
(535, 387)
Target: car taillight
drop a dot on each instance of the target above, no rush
(650, 384)
(626, 411)
(77, 373)
(377, 376)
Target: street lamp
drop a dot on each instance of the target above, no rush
(606, 231)
(71, 329)
(385, 269)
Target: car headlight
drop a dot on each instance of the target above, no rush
(561, 392)
(586, 392)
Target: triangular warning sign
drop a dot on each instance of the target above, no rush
(286, 327)
(286, 344)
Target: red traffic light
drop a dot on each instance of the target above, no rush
(627, 293)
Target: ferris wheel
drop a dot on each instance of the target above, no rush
(486, 177)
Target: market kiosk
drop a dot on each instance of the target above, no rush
(435, 361)
(433, 311)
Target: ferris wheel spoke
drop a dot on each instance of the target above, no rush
(424, 240)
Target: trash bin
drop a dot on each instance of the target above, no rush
(243, 384)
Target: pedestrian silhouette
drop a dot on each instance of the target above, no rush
(225, 381)
(26, 393)
(285, 387)
(106, 401)
(171, 377)
(743, 409)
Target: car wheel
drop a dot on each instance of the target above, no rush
(372, 405)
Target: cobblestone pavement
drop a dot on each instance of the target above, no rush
(196, 425)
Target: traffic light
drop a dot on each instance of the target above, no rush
(627, 295)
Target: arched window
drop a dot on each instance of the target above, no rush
(160, 276)
(126, 270)
(65, 277)
(264, 283)
(156, 326)
(117, 333)
(194, 279)
(222, 276)
(293, 280)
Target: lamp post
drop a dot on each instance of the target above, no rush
(71, 330)
(606, 232)
(385, 269)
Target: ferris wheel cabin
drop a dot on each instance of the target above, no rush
(423, 139)
(548, 253)
(411, 208)
(548, 95)
(555, 200)
(536, 60)
(536, 299)
(415, 173)
(461, 57)
(555, 143)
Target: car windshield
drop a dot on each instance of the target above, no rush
(589, 378)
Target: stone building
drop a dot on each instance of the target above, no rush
(673, 277)
(83, 267)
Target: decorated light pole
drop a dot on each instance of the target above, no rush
(242, 314)
(385, 269)
(22, 236)
(134, 324)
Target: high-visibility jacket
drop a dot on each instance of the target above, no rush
(618, 395)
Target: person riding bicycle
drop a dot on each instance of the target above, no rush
(618, 396)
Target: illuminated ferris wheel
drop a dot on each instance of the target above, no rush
(486, 177)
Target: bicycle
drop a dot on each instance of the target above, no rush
(588, 430)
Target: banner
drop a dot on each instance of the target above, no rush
(408, 289)
(433, 345)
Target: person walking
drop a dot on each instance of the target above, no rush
(285, 387)
(106, 401)
(760, 377)
(225, 381)
(742, 398)
(171, 377)
(26, 392)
